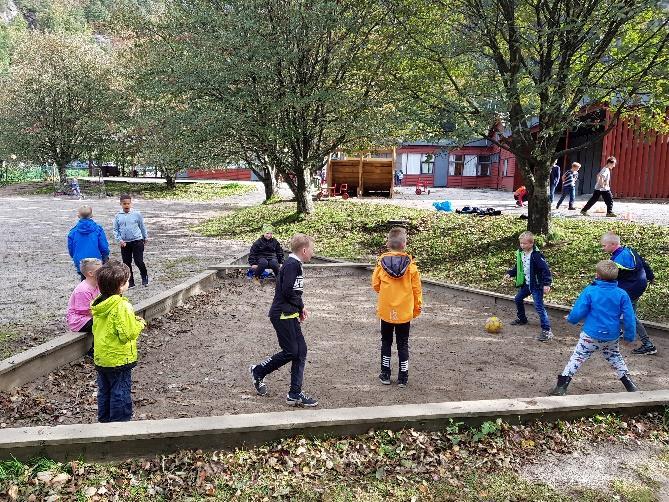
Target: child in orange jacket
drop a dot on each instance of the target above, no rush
(397, 281)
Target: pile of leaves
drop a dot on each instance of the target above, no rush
(459, 249)
(455, 463)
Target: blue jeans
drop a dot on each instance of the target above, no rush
(553, 187)
(538, 297)
(114, 398)
(571, 191)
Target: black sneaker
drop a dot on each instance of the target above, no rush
(301, 399)
(584, 212)
(131, 283)
(646, 350)
(258, 383)
(385, 378)
(518, 322)
(611, 215)
(545, 335)
(145, 281)
(403, 379)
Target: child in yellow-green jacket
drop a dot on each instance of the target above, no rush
(115, 333)
(397, 281)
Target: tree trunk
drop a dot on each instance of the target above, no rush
(62, 170)
(538, 205)
(305, 204)
(269, 182)
(170, 180)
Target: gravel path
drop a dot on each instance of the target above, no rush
(38, 275)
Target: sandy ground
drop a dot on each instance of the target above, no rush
(194, 361)
(38, 276)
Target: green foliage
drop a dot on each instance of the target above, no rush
(488, 428)
(473, 252)
(182, 191)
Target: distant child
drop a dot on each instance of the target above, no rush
(533, 277)
(265, 253)
(397, 281)
(87, 239)
(131, 234)
(115, 333)
(634, 275)
(602, 189)
(520, 195)
(569, 181)
(554, 180)
(600, 304)
(286, 315)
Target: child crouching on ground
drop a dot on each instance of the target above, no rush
(601, 304)
(397, 281)
(533, 277)
(115, 333)
(265, 253)
(79, 317)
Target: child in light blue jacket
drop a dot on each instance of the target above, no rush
(130, 233)
(600, 306)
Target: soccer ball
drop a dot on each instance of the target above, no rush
(493, 325)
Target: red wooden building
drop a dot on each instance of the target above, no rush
(232, 174)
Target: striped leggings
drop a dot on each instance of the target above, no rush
(587, 346)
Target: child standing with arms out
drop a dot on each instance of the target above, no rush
(533, 277)
(286, 315)
(600, 305)
(79, 317)
(569, 180)
(115, 333)
(130, 232)
(87, 239)
(397, 281)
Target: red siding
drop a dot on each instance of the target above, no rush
(412, 179)
(220, 174)
(643, 162)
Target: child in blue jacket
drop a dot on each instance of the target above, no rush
(87, 239)
(533, 277)
(600, 305)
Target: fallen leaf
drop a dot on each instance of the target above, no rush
(13, 492)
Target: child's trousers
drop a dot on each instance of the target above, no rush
(114, 395)
(293, 350)
(538, 297)
(401, 332)
(587, 346)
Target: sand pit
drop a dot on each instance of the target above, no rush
(194, 361)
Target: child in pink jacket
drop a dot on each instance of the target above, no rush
(79, 317)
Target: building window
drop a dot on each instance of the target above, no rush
(484, 166)
(505, 171)
(471, 165)
(427, 164)
(456, 164)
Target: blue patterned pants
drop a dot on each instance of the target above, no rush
(587, 346)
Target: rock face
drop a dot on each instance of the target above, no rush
(8, 11)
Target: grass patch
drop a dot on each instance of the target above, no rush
(183, 191)
(6, 337)
(460, 249)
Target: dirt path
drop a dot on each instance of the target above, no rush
(194, 361)
(38, 275)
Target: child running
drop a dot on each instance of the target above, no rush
(286, 315)
(533, 277)
(569, 181)
(397, 281)
(600, 305)
(115, 333)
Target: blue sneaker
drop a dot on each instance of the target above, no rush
(301, 399)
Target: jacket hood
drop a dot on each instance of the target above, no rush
(86, 226)
(624, 257)
(395, 264)
(102, 309)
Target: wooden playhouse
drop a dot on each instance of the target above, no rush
(362, 175)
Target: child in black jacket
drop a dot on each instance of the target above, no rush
(286, 314)
(266, 253)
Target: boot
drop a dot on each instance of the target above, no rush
(629, 384)
(561, 387)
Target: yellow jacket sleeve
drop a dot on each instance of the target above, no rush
(417, 291)
(376, 279)
(128, 326)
